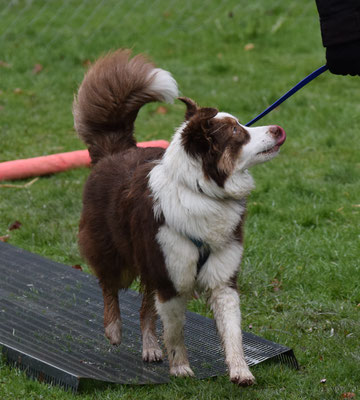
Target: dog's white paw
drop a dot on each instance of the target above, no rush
(181, 370)
(152, 355)
(242, 377)
(113, 332)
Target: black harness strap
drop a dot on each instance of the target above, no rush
(204, 253)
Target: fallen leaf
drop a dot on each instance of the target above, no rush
(161, 110)
(37, 68)
(4, 64)
(18, 91)
(348, 395)
(4, 238)
(15, 225)
(86, 63)
(230, 14)
(276, 284)
(77, 266)
(235, 78)
(249, 46)
(356, 205)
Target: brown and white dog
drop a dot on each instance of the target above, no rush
(152, 213)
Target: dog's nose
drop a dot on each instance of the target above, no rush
(278, 133)
(275, 130)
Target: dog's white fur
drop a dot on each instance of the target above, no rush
(163, 84)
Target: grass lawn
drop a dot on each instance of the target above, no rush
(300, 279)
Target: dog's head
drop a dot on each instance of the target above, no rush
(224, 146)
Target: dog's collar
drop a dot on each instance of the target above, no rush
(204, 252)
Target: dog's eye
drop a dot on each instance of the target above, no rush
(234, 130)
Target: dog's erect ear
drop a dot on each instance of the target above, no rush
(191, 107)
(207, 113)
(196, 136)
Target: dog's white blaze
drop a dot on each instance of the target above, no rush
(220, 266)
(225, 305)
(164, 84)
(221, 114)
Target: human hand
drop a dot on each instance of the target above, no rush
(344, 59)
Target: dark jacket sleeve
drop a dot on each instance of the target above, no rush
(339, 21)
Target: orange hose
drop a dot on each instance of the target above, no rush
(44, 165)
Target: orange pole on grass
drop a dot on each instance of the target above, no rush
(44, 165)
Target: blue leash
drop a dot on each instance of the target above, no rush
(292, 91)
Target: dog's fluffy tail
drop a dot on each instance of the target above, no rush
(109, 99)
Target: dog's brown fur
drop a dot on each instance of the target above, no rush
(114, 242)
(116, 245)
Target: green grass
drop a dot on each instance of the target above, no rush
(300, 276)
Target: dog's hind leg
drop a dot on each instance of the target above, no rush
(225, 304)
(112, 319)
(151, 350)
(172, 314)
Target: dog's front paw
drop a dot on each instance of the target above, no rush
(152, 355)
(181, 370)
(242, 377)
(113, 332)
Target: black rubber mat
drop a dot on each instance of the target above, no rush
(51, 326)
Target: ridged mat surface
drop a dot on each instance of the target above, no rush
(51, 326)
